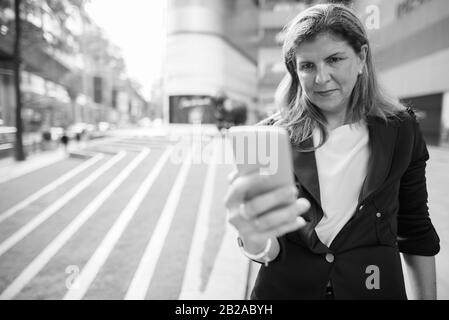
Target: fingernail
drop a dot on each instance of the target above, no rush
(300, 221)
(304, 203)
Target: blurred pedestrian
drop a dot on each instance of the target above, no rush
(220, 112)
(78, 136)
(65, 140)
(359, 164)
(46, 138)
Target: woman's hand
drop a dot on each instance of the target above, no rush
(260, 211)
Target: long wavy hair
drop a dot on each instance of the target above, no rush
(298, 114)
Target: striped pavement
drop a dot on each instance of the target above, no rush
(129, 222)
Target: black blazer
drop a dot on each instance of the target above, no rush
(391, 217)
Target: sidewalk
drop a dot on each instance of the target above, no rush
(10, 168)
(229, 276)
(437, 186)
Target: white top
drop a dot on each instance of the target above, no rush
(342, 163)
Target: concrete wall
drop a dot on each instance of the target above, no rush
(205, 52)
(411, 52)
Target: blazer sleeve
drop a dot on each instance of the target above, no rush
(416, 234)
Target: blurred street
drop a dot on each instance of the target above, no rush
(122, 215)
(130, 216)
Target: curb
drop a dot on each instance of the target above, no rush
(12, 169)
(81, 154)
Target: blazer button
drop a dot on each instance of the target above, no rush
(330, 257)
(361, 208)
(378, 214)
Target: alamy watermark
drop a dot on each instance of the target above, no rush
(252, 148)
(73, 272)
(372, 282)
(372, 19)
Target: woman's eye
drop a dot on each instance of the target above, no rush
(306, 66)
(334, 59)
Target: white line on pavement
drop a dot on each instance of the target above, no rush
(144, 274)
(49, 211)
(191, 285)
(125, 146)
(88, 274)
(45, 256)
(50, 187)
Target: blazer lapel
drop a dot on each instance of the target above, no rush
(306, 173)
(382, 137)
(306, 170)
(382, 140)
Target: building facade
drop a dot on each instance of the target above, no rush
(411, 51)
(273, 16)
(85, 84)
(408, 37)
(43, 98)
(211, 50)
(410, 47)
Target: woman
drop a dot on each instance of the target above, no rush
(359, 163)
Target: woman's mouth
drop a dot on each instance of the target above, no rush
(325, 93)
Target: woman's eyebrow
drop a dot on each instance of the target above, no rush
(335, 54)
(299, 60)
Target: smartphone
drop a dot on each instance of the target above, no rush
(263, 149)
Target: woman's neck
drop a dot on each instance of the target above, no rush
(335, 120)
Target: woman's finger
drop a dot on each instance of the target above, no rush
(247, 187)
(276, 218)
(279, 231)
(272, 220)
(303, 205)
(270, 200)
(287, 228)
(240, 222)
(238, 190)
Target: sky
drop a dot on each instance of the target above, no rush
(137, 27)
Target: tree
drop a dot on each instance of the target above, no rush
(19, 152)
(35, 36)
(29, 37)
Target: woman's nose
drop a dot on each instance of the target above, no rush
(322, 75)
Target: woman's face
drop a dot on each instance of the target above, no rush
(328, 68)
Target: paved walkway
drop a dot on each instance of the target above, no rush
(10, 169)
(438, 189)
